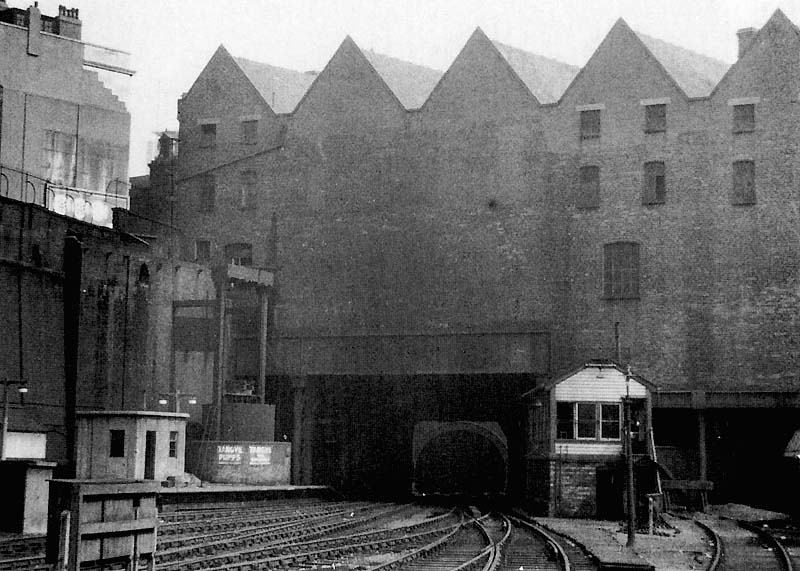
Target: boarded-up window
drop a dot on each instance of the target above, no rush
(655, 118)
(744, 118)
(116, 444)
(565, 420)
(59, 157)
(249, 132)
(248, 190)
(589, 190)
(744, 182)
(208, 135)
(239, 254)
(655, 184)
(621, 270)
(590, 124)
(207, 194)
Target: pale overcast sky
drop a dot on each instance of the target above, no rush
(171, 40)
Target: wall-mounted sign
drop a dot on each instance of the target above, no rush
(229, 454)
(260, 455)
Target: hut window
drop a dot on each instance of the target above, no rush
(587, 420)
(565, 416)
(117, 444)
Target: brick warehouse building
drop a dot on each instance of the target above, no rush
(445, 242)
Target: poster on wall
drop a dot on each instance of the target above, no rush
(229, 455)
(260, 455)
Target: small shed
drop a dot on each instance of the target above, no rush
(130, 445)
(574, 439)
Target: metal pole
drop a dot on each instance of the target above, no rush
(629, 476)
(5, 421)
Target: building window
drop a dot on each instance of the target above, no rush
(744, 182)
(239, 254)
(589, 191)
(655, 118)
(565, 420)
(117, 444)
(248, 189)
(588, 421)
(249, 132)
(590, 124)
(173, 444)
(655, 186)
(207, 194)
(208, 134)
(621, 270)
(202, 251)
(744, 118)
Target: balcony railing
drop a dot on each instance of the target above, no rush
(87, 205)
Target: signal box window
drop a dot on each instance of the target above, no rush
(208, 134)
(744, 118)
(589, 191)
(590, 124)
(588, 421)
(239, 254)
(609, 421)
(655, 186)
(117, 444)
(249, 132)
(655, 118)
(173, 444)
(621, 270)
(744, 182)
(565, 420)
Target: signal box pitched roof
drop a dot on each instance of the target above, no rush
(546, 78)
(594, 363)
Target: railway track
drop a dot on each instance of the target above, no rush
(740, 546)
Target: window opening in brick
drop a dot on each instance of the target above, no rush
(117, 444)
(590, 124)
(248, 189)
(589, 191)
(239, 254)
(621, 270)
(744, 182)
(655, 184)
(207, 195)
(208, 134)
(565, 420)
(655, 118)
(249, 131)
(202, 251)
(173, 444)
(744, 118)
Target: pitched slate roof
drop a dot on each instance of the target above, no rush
(546, 78)
(281, 88)
(410, 83)
(695, 73)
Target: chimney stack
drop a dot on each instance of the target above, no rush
(746, 37)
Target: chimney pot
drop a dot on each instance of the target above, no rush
(746, 37)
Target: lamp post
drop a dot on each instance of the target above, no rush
(176, 396)
(22, 388)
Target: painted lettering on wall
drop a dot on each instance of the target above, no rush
(229, 454)
(260, 455)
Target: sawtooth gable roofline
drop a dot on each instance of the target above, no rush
(779, 21)
(479, 37)
(348, 44)
(220, 57)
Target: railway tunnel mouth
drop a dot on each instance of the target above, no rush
(460, 458)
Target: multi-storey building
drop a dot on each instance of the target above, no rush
(444, 242)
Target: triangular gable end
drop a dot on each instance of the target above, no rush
(608, 365)
(348, 60)
(620, 32)
(223, 58)
(478, 45)
(778, 22)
